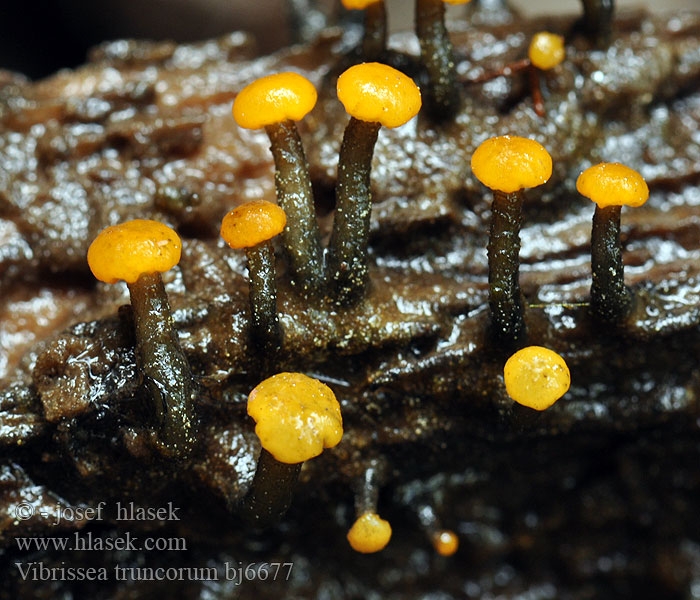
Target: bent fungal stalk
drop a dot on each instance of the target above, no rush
(611, 186)
(546, 51)
(373, 94)
(507, 165)
(251, 226)
(137, 252)
(437, 55)
(296, 418)
(274, 103)
(374, 38)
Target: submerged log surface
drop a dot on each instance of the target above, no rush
(596, 498)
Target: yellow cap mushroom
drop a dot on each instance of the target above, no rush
(546, 50)
(510, 163)
(370, 533)
(296, 417)
(379, 93)
(536, 377)
(252, 223)
(125, 252)
(613, 184)
(273, 99)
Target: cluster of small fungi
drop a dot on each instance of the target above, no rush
(296, 416)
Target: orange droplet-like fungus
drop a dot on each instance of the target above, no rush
(126, 251)
(273, 99)
(370, 533)
(536, 377)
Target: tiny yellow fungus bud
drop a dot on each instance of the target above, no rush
(378, 93)
(359, 4)
(546, 50)
(445, 542)
(370, 533)
(509, 163)
(252, 223)
(273, 99)
(536, 377)
(613, 184)
(296, 417)
(455, 2)
(131, 249)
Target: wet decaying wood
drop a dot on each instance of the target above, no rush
(596, 498)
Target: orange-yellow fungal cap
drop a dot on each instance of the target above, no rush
(359, 4)
(445, 542)
(536, 377)
(509, 163)
(370, 533)
(296, 417)
(456, 1)
(546, 50)
(613, 184)
(378, 93)
(125, 252)
(274, 99)
(252, 223)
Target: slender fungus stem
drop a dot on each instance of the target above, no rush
(301, 237)
(163, 363)
(347, 259)
(507, 165)
(274, 103)
(271, 492)
(504, 263)
(374, 40)
(442, 96)
(610, 298)
(137, 252)
(536, 91)
(373, 94)
(610, 186)
(597, 20)
(296, 418)
(263, 298)
(251, 226)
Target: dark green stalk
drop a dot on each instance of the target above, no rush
(504, 264)
(300, 238)
(442, 96)
(265, 328)
(374, 40)
(610, 298)
(347, 252)
(163, 365)
(597, 20)
(271, 492)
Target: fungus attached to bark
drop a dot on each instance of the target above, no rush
(373, 94)
(610, 186)
(442, 95)
(251, 226)
(445, 542)
(507, 165)
(137, 252)
(536, 377)
(296, 418)
(374, 40)
(274, 103)
(369, 533)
